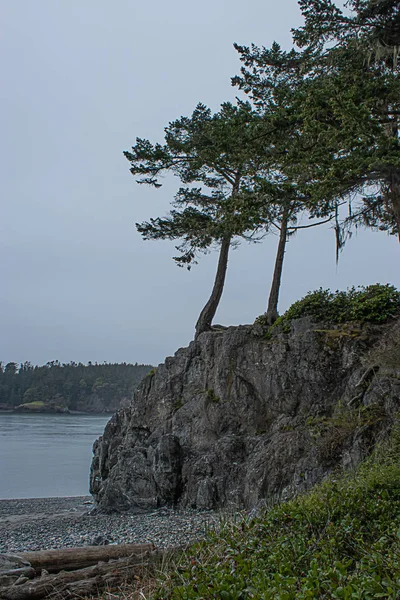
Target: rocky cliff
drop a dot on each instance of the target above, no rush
(240, 416)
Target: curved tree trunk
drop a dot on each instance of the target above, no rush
(272, 310)
(395, 198)
(207, 314)
(393, 181)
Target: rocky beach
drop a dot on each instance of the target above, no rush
(50, 523)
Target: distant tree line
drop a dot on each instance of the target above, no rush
(318, 132)
(72, 385)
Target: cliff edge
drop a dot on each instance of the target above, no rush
(240, 416)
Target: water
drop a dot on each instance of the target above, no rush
(42, 456)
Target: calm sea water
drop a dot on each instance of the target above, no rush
(47, 455)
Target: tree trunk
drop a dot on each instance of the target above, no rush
(395, 198)
(69, 559)
(392, 131)
(272, 310)
(83, 582)
(207, 314)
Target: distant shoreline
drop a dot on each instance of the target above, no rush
(51, 506)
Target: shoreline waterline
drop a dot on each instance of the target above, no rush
(50, 523)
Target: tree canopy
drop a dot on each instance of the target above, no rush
(337, 100)
(320, 130)
(221, 160)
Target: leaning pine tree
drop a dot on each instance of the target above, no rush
(279, 207)
(215, 157)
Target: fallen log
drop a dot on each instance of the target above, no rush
(69, 559)
(12, 575)
(83, 582)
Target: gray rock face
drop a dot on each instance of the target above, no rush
(236, 418)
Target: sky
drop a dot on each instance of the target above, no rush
(80, 81)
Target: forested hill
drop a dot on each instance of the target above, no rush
(73, 386)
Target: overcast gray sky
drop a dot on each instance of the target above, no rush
(80, 80)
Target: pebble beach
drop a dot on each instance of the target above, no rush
(50, 523)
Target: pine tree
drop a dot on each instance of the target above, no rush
(337, 100)
(219, 158)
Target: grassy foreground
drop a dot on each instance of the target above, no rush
(342, 540)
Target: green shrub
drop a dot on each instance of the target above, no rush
(341, 540)
(372, 304)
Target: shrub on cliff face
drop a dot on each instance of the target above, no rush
(371, 304)
(341, 540)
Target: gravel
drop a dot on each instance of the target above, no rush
(45, 523)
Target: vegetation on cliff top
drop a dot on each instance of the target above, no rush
(372, 304)
(341, 540)
(72, 386)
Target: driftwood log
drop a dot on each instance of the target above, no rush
(12, 575)
(69, 559)
(82, 582)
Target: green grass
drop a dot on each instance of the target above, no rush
(341, 540)
(34, 405)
